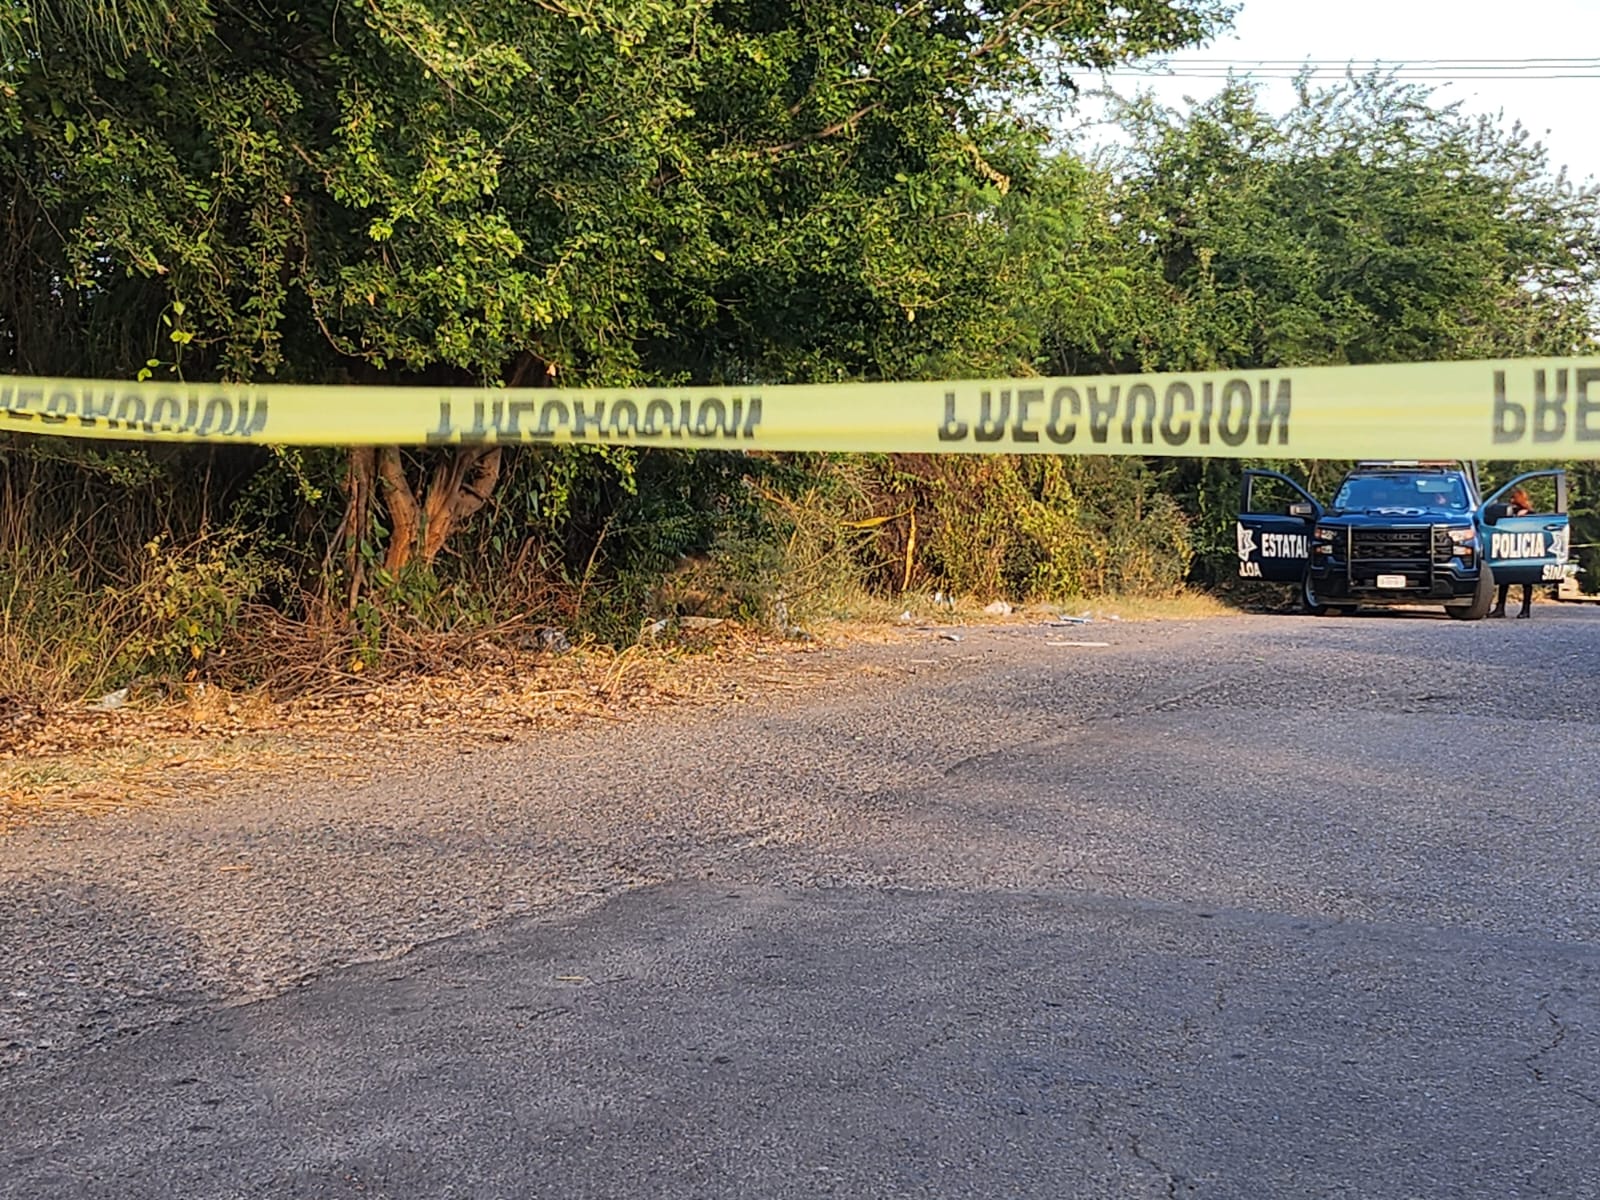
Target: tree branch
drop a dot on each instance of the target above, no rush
(829, 131)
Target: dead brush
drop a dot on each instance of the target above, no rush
(60, 640)
(331, 653)
(833, 552)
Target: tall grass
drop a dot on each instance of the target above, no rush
(165, 566)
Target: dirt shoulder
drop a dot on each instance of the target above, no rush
(69, 762)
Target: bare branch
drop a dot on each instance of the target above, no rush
(827, 132)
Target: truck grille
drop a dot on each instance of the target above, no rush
(1413, 548)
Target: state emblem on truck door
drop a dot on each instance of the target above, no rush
(1561, 544)
(1246, 541)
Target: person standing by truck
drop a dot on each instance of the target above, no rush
(1517, 504)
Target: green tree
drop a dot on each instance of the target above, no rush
(1368, 225)
(631, 190)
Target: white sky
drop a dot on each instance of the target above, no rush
(1564, 114)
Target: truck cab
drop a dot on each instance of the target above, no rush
(1402, 533)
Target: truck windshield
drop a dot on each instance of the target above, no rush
(1436, 493)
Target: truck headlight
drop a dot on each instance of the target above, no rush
(1463, 542)
(1324, 536)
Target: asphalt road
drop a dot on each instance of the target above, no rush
(1258, 907)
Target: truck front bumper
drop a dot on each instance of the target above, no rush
(1337, 582)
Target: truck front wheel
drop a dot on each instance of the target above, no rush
(1309, 602)
(1478, 607)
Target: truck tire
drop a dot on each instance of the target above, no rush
(1482, 598)
(1309, 602)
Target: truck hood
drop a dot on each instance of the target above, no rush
(1389, 517)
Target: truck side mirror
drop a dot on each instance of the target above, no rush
(1302, 509)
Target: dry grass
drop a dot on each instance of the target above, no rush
(204, 742)
(863, 610)
(201, 744)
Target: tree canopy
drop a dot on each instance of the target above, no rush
(606, 190)
(1369, 225)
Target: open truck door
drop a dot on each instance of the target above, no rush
(1535, 548)
(1274, 526)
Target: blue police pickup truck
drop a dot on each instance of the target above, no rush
(1403, 533)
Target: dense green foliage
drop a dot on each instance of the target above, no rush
(623, 189)
(399, 190)
(1368, 226)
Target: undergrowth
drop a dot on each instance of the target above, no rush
(158, 567)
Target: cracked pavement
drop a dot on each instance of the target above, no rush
(1253, 907)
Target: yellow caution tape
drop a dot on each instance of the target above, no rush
(875, 522)
(1544, 408)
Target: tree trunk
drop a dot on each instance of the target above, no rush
(360, 474)
(460, 483)
(457, 487)
(405, 515)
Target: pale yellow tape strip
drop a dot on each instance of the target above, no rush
(1546, 408)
